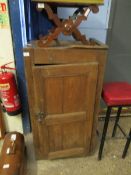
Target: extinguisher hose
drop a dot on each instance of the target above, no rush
(4, 67)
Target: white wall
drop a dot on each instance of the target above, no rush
(13, 123)
(96, 24)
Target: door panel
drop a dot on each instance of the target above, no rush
(73, 135)
(74, 93)
(65, 94)
(55, 138)
(53, 95)
(65, 118)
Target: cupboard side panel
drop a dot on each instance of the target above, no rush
(101, 59)
(90, 96)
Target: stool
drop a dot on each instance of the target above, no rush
(115, 94)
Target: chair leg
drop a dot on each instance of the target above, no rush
(116, 121)
(127, 145)
(104, 132)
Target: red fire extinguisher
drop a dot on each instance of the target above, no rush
(8, 91)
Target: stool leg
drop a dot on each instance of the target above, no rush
(116, 121)
(104, 132)
(127, 145)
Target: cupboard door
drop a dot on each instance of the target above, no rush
(64, 106)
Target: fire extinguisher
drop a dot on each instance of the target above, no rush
(8, 91)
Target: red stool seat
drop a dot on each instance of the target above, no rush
(117, 93)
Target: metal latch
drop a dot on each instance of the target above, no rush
(40, 116)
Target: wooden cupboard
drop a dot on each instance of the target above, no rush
(64, 85)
